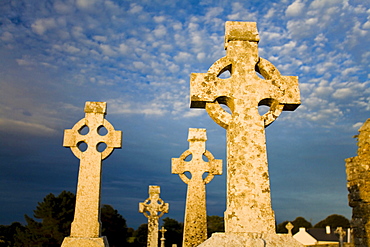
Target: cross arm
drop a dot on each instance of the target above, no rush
(164, 209)
(284, 89)
(207, 87)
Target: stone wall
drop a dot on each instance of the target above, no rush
(358, 176)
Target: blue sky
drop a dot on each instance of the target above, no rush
(137, 56)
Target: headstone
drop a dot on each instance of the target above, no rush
(248, 207)
(289, 226)
(341, 233)
(86, 226)
(163, 231)
(153, 208)
(358, 185)
(195, 223)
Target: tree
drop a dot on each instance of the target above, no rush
(297, 223)
(113, 226)
(300, 222)
(215, 224)
(281, 227)
(174, 232)
(56, 215)
(141, 236)
(334, 221)
(7, 233)
(53, 218)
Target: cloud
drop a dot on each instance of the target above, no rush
(357, 126)
(63, 7)
(40, 26)
(135, 8)
(160, 31)
(295, 9)
(342, 93)
(239, 13)
(21, 127)
(118, 106)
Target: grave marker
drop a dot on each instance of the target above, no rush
(86, 225)
(195, 223)
(153, 208)
(248, 207)
(163, 238)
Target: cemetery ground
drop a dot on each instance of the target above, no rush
(52, 219)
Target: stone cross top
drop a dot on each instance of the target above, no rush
(86, 223)
(248, 189)
(341, 233)
(153, 208)
(163, 238)
(195, 223)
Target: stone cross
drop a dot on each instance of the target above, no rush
(341, 234)
(86, 223)
(289, 226)
(162, 238)
(195, 223)
(153, 208)
(248, 206)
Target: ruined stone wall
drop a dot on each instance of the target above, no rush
(358, 176)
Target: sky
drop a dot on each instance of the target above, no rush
(138, 56)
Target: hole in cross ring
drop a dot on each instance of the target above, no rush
(205, 158)
(84, 130)
(189, 158)
(82, 146)
(225, 73)
(188, 175)
(102, 130)
(101, 147)
(263, 109)
(264, 106)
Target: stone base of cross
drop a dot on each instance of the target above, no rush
(90, 242)
(250, 239)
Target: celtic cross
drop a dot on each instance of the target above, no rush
(248, 206)
(153, 208)
(163, 238)
(86, 223)
(195, 223)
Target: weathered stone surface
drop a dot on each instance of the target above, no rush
(85, 242)
(195, 223)
(358, 185)
(153, 208)
(248, 208)
(86, 226)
